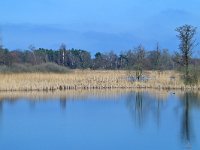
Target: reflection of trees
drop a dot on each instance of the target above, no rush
(139, 108)
(32, 101)
(63, 102)
(158, 110)
(1, 112)
(141, 104)
(1, 109)
(1, 106)
(11, 101)
(32, 104)
(186, 121)
(189, 102)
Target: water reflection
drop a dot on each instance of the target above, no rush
(189, 101)
(1, 106)
(136, 107)
(63, 102)
(32, 105)
(1, 110)
(186, 126)
(143, 107)
(71, 94)
(142, 104)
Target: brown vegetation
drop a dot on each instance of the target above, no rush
(87, 79)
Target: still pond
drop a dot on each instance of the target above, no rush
(100, 120)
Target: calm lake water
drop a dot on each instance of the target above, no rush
(153, 120)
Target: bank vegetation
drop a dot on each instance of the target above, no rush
(90, 79)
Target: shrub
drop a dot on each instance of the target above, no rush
(50, 67)
(27, 68)
(193, 77)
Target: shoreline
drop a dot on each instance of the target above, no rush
(84, 94)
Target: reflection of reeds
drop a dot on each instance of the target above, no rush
(158, 94)
(68, 94)
(79, 94)
(87, 79)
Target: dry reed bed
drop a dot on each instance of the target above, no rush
(87, 79)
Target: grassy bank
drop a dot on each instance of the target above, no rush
(88, 79)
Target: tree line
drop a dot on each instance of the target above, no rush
(137, 58)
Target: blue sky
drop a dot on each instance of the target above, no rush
(95, 25)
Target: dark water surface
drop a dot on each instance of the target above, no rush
(121, 121)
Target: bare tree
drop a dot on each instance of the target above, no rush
(154, 58)
(186, 35)
(62, 53)
(157, 57)
(32, 49)
(140, 61)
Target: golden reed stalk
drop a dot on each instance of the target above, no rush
(87, 79)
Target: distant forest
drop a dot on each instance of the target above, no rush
(158, 59)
